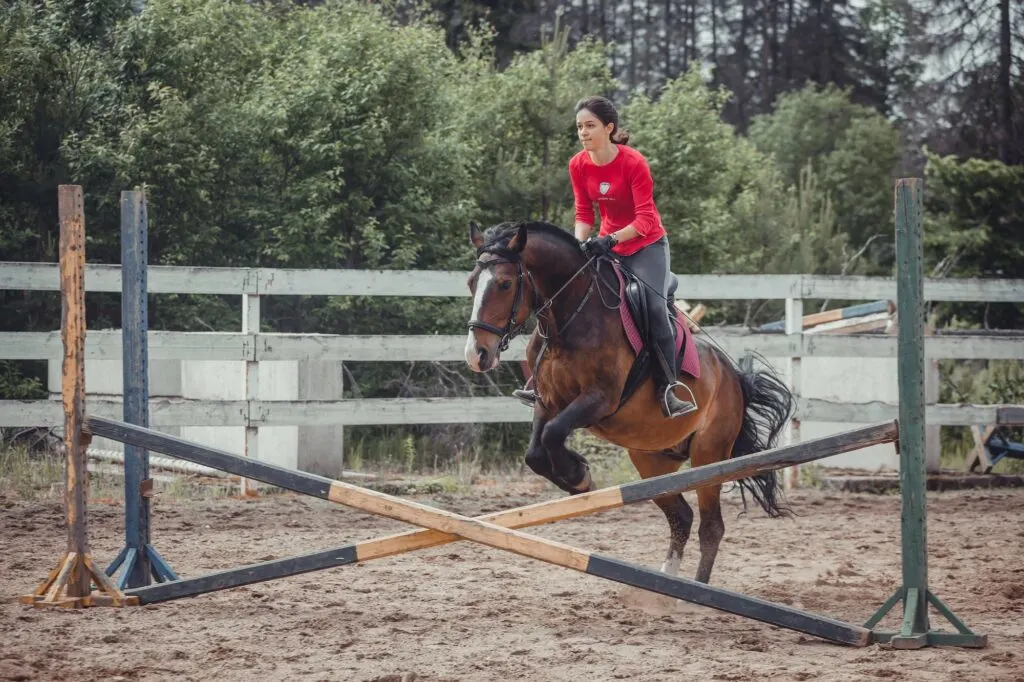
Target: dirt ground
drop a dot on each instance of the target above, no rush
(464, 612)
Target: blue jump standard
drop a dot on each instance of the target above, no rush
(138, 559)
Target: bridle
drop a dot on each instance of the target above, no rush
(511, 330)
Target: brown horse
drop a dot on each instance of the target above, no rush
(539, 269)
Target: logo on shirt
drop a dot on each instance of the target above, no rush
(604, 187)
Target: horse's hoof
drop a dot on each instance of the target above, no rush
(584, 485)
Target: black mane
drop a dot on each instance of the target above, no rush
(502, 232)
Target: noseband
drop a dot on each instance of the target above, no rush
(511, 329)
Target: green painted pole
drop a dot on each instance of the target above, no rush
(910, 358)
(915, 630)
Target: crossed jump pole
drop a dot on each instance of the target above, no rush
(497, 530)
(69, 586)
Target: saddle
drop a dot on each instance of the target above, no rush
(636, 324)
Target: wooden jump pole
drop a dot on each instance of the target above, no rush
(523, 517)
(138, 559)
(488, 533)
(70, 583)
(915, 631)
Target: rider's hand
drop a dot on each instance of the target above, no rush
(596, 247)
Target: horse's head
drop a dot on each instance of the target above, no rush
(503, 292)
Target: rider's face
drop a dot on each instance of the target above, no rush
(592, 133)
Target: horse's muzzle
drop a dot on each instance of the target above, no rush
(479, 357)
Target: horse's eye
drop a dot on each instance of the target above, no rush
(506, 285)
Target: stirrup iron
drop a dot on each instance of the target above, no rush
(687, 406)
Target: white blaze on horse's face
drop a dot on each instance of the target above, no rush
(473, 347)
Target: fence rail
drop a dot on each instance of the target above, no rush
(428, 347)
(252, 348)
(106, 345)
(165, 279)
(166, 412)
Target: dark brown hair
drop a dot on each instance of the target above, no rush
(606, 113)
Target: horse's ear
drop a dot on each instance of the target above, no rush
(476, 237)
(518, 243)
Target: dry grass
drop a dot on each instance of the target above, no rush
(31, 475)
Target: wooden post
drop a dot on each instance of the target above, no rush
(138, 557)
(933, 433)
(135, 355)
(71, 210)
(910, 358)
(251, 325)
(794, 331)
(70, 583)
(914, 593)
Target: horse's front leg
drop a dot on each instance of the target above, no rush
(536, 454)
(570, 470)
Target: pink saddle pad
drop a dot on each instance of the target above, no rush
(691, 361)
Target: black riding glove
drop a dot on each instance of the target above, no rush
(595, 247)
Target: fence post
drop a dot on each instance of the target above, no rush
(138, 557)
(251, 325)
(794, 333)
(933, 434)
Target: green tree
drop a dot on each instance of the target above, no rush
(699, 170)
(55, 81)
(854, 151)
(520, 124)
(974, 212)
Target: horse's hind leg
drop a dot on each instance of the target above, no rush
(706, 449)
(677, 511)
(711, 530)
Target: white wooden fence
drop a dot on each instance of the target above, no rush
(251, 346)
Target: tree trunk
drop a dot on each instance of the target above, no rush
(1007, 143)
(772, 38)
(632, 44)
(686, 35)
(825, 37)
(714, 35)
(602, 9)
(742, 93)
(788, 68)
(668, 39)
(545, 201)
(649, 47)
(693, 31)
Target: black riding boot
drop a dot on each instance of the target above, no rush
(665, 376)
(527, 396)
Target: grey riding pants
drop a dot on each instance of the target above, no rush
(651, 264)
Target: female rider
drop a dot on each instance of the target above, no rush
(618, 179)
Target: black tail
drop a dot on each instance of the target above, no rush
(768, 407)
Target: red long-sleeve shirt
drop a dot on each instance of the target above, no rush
(624, 193)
